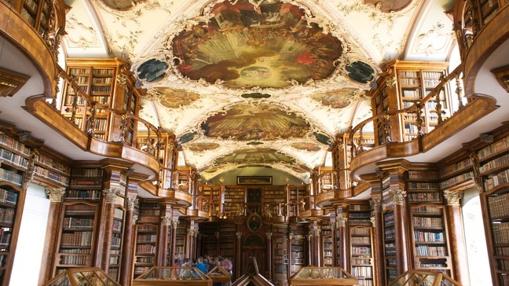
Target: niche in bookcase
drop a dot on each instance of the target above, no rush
(14, 162)
(328, 238)
(77, 235)
(430, 237)
(298, 248)
(390, 262)
(360, 236)
(97, 79)
(147, 236)
(494, 169)
(115, 254)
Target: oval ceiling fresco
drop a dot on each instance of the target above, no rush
(201, 147)
(336, 99)
(389, 5)
(263, 121)
(268, 45)
(174, 98)
(255, 156)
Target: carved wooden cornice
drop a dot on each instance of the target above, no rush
(11, 82)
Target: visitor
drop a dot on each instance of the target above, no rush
(202, 266)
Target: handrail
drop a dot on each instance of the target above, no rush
(415, 108)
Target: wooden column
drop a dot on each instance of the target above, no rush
(315, 242)
(174, 225)
(50, 247)
(164, 233)
(238, 256)
(378, 248)
(107, 222)
(269, 254)
(126, 267)
(309, 238)
(456, 236)
(343, 232)
(290, 257)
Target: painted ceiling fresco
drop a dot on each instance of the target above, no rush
(255, 156)
(389, 5)
(248, 45)
(173, 98)
(255, 122)
(281, 75)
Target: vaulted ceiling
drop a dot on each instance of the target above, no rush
(257, 82)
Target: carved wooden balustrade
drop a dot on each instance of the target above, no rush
(471, 17)
(472, 108)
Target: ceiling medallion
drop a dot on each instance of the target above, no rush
(360, 72)
(388, 6)
(267, 45)
(255, 156)
(310, 147)
(336, 99)
(263, 121)
(152, 70)
(201, 147)
(173, 98)
(121, 5)
(255, 95)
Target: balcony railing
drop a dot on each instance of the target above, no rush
(360, 143)
(471, 16)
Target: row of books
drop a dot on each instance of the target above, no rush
(101, 80)
(424, 250)
(364, 250)
(424, 236)
(103, 90)
(360, 231)
(390, 248)
(362, 272)
(423, 185)
(102, 72)
(427, 210)
(86, 183)
(87, 172)
(75, 250)
(456, 180)
(7, 215)
(425, 196)
(13, 158)
(500, 232)
(360, 240)
(410, 94)
(8, 197)
(361, 260)
(150, 212)
(456, 166)
(79, 71)
(48, 174)
(502, 251)
(360, 215)
(50, 162)
(11, 143)
(496, 180)
(409, 82)
(498, 146)
(145, 259)
(389, 233)
(11, 176)
(77, 223)
(84, 194)
(5, 238)
(496, 163)
(78, 238)
(145, 249)
(368, 282)
(116, 242)
(117, 225)
(498, 206)
(100, 124)
(428, 222)
(74, 260)
(145, 238)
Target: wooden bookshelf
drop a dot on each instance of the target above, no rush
(327, 236)
(146, 247)
(390, 261)
(10, 211)
(360, 238)
(494, 169)
(98, 79)
(280, 255)
(361, 254)
(414, 81)
(298, 248)
(234, 201)
(51, 170)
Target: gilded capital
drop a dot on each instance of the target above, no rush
(55, 195)
(453, 198)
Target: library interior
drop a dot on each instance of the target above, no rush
(254, 142)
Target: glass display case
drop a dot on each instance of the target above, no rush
(175, 276)
(219, 275)
(322, 276)
(82, 277)
(424, 278)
